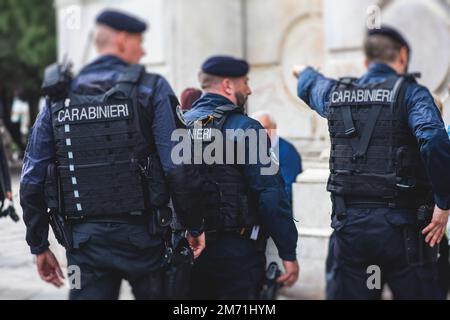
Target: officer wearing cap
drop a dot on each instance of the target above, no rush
(245, 205)
(389, 174)
(106, 139)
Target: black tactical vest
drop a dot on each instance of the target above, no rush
(106, 165)
(227, 200)
(374, 155)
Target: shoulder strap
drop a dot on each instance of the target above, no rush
(346, 81)
(409, 78)
(221, 113)
(143, 118)
(126, 81)
(373, 117)
(367, 131)
(396, 94)
(131, 74)
(346, 112)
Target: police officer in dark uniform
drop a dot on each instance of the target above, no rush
(389, 177)
(108, 142)
(244, 204)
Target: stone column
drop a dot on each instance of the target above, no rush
(292, 35)
(199, 29)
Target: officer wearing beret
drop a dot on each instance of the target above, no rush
(390, 174)
(108, 140)
(245, 205)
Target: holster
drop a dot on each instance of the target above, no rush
(157, 185)
(61, 229)
(179, 261)
(418, 252)
(270, 287)
(339, 212)
(52, 193)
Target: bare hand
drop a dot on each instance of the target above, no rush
(290, 275)
(9, 195)
(436, 229)
(298, 69)
(197, 244)
(49, 269)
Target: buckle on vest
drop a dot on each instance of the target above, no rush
(350, 132)
(406, 185)
(210, 118)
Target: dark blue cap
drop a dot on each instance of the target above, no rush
(391, 33)
(225, 66)
(121, 21)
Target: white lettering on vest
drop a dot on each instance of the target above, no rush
(102, 112)
(362, 96)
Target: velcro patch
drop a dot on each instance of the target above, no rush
(361, 96)
(119, 110)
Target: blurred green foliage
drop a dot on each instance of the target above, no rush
(27, 46)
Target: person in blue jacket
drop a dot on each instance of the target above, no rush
(390, 174)
(250, 205)
(290, 159)
(102, 150)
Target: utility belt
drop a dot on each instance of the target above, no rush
(158, 221)
(376, 202)
(244, 232)
(342, 203)
(248, 233)
(129, 218)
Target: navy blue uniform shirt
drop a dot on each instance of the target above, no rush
(95, 78)
(273, 205)
(424, 120)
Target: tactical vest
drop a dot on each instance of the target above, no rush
(374, 156)
(227, 200)
(106, 165)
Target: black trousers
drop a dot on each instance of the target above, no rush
(230, 268)
(369, 238)
(107, 253)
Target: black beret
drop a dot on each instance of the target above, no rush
(225, 66)
(391, 33)
(121, 21)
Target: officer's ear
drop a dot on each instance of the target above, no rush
(404, 57)
(121, 40)
(228, 86)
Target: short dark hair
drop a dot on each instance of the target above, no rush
(207, 81)
(381, 48)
